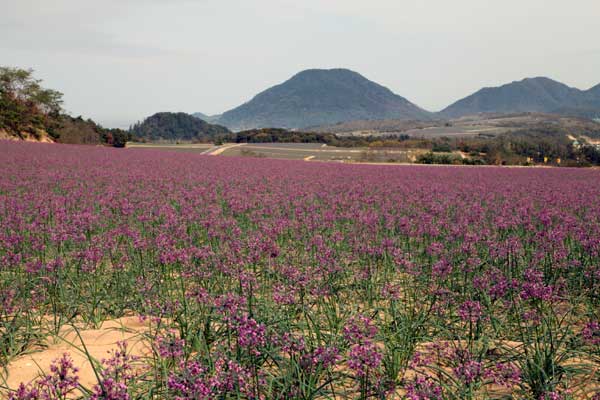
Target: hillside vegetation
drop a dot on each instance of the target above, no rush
(26, 108)
(76, 130)
(29, 111)
(529, 95)
(180, 126)
(318, 97)
(279, 135)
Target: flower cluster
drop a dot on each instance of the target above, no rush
(62, 380)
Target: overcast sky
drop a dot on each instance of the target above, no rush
(118, 61)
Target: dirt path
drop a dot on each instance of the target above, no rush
(215, 151)
(594, 142)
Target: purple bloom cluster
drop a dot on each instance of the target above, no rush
(195, 381)
(364, 358)
(56, 385)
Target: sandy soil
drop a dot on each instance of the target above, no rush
(591, 141)
(222, 148)
(28, 137)
(98, 342)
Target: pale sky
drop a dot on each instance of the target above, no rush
(118, 61)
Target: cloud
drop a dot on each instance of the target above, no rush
(65, 34)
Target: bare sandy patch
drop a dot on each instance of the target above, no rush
(99, 342)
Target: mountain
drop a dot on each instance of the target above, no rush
(318, 97)
(593, 96)
(207, 118)
(200, 115)
(176, 126)
(529, 95)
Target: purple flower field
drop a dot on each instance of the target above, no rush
(266, 279)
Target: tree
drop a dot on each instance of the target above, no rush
(25, 105)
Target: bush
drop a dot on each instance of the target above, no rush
(432, 158)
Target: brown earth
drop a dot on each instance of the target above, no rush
(99, 342)
(26, 136)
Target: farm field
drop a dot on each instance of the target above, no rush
(291, 151)
(195, 147)
(154, 274)
(483, 125)
(319, 152)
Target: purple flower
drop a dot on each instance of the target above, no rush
(169, 346)
(469, 371)
(251, 335)
(551, 396)
(25, 392)
(364, 358)
(57, 385)
(533, 286)
(116, 375)
(359, 328)
(196, 381)
(470, 311)
(591, 333)
(422, 388)
(323, 357)
(503, 374)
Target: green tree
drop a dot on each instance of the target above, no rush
(25, 105)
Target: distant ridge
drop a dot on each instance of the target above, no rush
(320, 97)
(200, 115)
(317, 97)
(207, 118)
(539, 94)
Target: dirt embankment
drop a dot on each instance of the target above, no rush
(42, 136)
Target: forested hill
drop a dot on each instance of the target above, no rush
(176, 126)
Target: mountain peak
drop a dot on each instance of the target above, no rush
(544, 81)
(537, 94)
(321, 96)
(200, 115)
(595, 90)
(327, 76)
(324, 71)
(541, 79)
